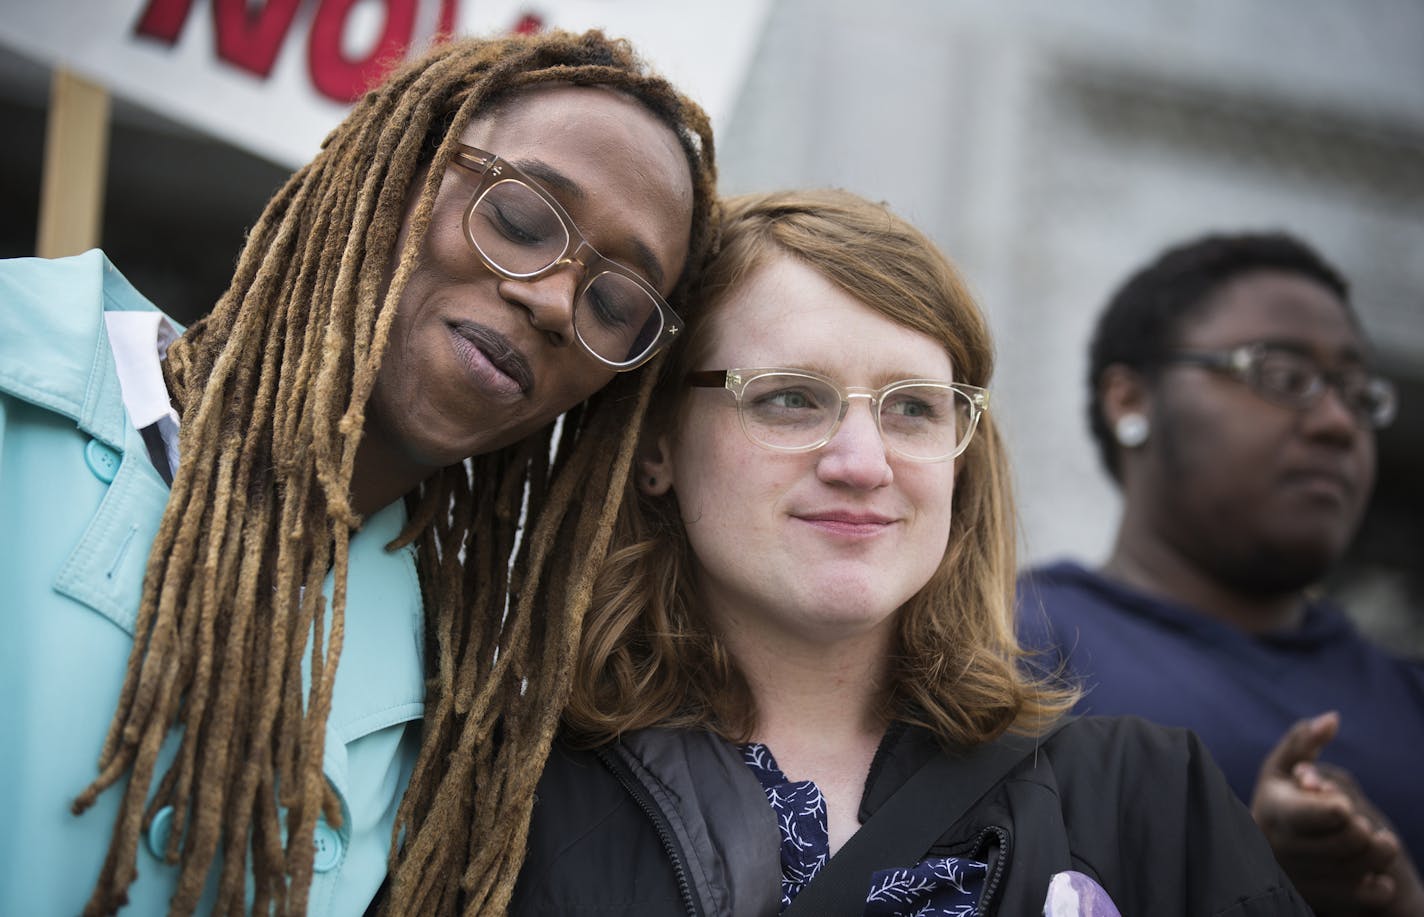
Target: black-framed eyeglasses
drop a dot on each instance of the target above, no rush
(1294, 380)
(795, 410)
(521, 232)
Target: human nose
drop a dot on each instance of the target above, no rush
(856, 455)
(1330, 416)
(548, 301)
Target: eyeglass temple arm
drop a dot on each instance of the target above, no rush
(707, 378)
(1208, 359)
(477, 161)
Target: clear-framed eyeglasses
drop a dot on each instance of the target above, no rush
(521, 232)
(793, 410)
(1294, 380)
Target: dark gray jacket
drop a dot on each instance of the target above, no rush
(671, 822)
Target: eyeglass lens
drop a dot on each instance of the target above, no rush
(516, 231)
(785, 411)
(1299, 382)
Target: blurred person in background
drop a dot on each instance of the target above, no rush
(1233, 400)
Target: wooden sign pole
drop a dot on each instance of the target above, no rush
(76, 157)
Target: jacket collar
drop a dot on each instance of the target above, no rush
(54, 351)
(715, 808)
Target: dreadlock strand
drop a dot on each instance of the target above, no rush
(291, 709)
(301, 351)
(200, 840)
(120, 865)
(435, 555)
(561, 630)
(270, 667)
(616, 455)
(268, 859)
(468, 639)
(238, 810)
(217, 568)
(428, 857)
(221, 752)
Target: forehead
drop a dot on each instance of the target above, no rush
(619, 171)
(1275, 307)
(786, 314)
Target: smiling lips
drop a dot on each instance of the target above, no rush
(845, 522)
(492, 359)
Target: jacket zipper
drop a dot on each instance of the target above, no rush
(1001, 862)
(660, 822)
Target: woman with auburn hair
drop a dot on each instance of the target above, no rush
(799, 688)
(273, 632)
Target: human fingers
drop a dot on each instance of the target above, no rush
(1326, 772)
(1370, 829)
(1335, 880)
(1301, 742)
(1300, 803)
(1376, 891)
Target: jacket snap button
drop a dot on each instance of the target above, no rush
(102, 460)
(328, 848)
(158, 831)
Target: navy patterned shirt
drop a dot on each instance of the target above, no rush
(937, 887)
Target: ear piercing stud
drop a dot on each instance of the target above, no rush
(1131, 430)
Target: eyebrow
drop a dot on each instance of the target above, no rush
(878, 380)
(555, 181)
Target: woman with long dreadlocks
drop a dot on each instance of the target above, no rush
(239, 576)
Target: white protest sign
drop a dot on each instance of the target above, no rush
(274, 76)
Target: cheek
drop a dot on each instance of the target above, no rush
(445, 246)
(395, 371)
(413, 349)
(696, 483)
(1208, 450)
(443, 261)
(713, 476)
(936, 500)
(1367, 454)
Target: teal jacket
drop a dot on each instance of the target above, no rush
(80, 503)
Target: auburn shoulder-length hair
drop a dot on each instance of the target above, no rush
(272, 387)
(648, 657)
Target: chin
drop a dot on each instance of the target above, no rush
(849, 615)
(460, 443)
(1285, 566)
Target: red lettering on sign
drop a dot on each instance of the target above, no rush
(251, 39)
(529, 24)
(342, 78)
(163, 19)
(448, 11)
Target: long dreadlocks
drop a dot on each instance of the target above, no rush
(272, 387)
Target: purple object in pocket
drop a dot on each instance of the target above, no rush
(1072, 894)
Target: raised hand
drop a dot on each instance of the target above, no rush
(1337, 848)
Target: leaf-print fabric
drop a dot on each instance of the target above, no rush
(937, 887)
